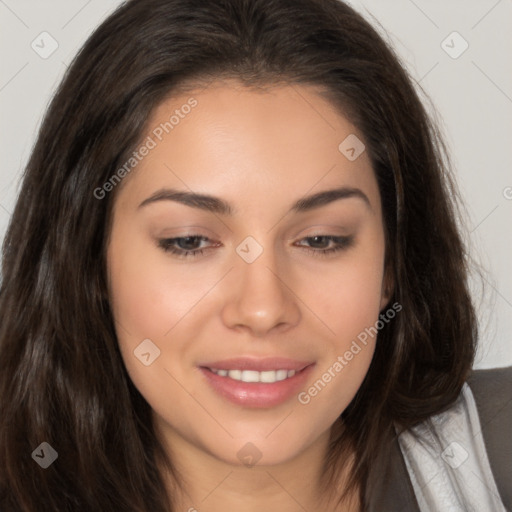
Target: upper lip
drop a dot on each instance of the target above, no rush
(260, 365)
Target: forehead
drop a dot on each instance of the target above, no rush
(239, 143)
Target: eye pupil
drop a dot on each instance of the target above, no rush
(318, 240)
(189, 242)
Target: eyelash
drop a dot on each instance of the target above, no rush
(341, 243)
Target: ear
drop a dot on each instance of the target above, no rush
(388, 286)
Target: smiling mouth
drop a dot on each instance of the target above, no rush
(256, 382)
(248, 376)
(257, 388)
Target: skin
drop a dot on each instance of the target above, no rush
(260, 151)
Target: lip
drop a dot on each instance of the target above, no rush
(257, 394)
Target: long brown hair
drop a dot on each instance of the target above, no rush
(62, 379)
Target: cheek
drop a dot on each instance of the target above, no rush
(150, 296)
(347, 299)
(347, 295)
(153, 300)
(147, 304)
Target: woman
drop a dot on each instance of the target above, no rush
(233, 278)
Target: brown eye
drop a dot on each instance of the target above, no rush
(185, 246)
(319, 244)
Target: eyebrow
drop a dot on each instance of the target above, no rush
(219, 206)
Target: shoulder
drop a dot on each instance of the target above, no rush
(480, 380)
(390, 488)
(492, 391)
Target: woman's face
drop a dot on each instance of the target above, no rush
(247, 346)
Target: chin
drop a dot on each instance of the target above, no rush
(257, 450)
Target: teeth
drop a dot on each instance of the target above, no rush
(250, 376)
(254, 376)
(235, 374)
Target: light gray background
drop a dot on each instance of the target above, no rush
(472, 95)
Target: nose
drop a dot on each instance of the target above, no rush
(261, 298)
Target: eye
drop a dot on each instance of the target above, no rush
(191, 245)
(184, 246)
(325, 245)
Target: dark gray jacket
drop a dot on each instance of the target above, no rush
(492, 390)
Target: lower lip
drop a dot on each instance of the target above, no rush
(257, 394)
